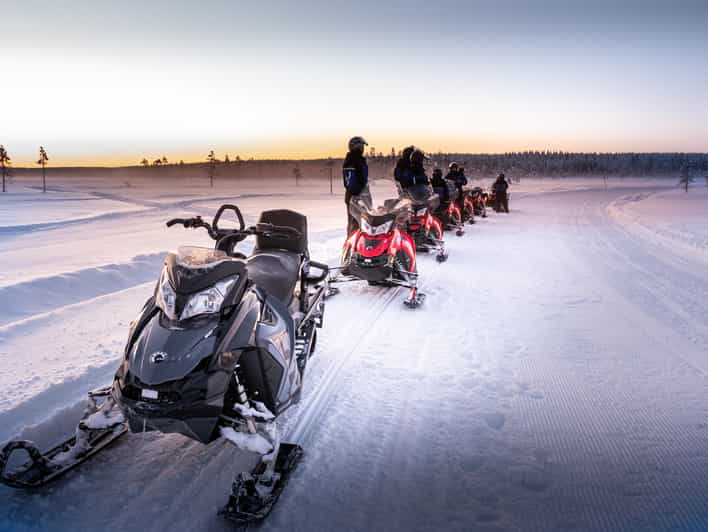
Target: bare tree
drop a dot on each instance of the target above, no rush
(4, 162)
(157, 162)
(145, 162)
(43, 158)
(686, 178)
(212, 160)
(226, 159)
(330, 165)
(164, 160)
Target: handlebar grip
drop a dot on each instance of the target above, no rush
(175, 221)
(279, 231)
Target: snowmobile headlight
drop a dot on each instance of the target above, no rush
(208, 301)
(165, 298)
(375, 230)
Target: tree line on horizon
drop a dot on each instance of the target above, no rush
(531, 163)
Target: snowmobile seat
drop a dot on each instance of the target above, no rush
(275, 271)
(287, 218)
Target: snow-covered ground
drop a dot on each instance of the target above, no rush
(554, 380)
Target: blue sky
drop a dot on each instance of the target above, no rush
(115, 81)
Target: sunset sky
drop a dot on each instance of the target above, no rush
(112, 82)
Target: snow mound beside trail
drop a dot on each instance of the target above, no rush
(42, 295)
(672, 219)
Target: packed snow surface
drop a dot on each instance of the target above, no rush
(555, 378)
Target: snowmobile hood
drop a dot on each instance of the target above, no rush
(161, 354)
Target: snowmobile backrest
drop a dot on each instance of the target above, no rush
(286, 218)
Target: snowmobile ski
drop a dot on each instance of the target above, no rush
(248, 504)
(100, 426)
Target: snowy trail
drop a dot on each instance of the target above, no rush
(581, 407)
(554, 380)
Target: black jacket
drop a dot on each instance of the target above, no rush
(355, 173)
(500, 186)
(459, 178)
(417, 175)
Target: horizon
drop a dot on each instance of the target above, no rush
(276, 81)
(220, 159)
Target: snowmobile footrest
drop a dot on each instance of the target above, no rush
(247, 506)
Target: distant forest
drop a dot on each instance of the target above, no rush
(554, 164)
(548, 163)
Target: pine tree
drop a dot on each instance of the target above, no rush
(43, 158)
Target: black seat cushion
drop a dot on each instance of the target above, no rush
(287, 218)
(275, 271)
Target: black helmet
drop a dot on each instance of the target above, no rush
(357, 144)
(406, 153)
(501, 176)
(437, 172)
(418, 156)
(453, 166)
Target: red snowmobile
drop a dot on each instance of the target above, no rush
(466, 205)
(425, 228)
(448, 211)
(479, 200)
(381, 251)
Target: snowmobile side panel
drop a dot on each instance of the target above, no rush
(275, 335)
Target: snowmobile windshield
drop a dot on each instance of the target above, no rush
(381, 219)
(195, 257)
(422, 195)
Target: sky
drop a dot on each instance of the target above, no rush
(100, 82)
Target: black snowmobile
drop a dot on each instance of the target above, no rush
(220, 349)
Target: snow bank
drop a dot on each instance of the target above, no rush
(42, 295)
(674, 220)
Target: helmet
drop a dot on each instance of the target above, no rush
(357, 144)
(501, 176)
(406, 154)
(453, 166)
(437, 172)
(418, 156)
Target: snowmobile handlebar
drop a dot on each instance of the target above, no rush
(277, 231)
(194, 223)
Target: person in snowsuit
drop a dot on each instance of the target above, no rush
(500, 186)
(416, 175)
(456, 175)
(355, 174)
(440, 186)
(401, 173)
